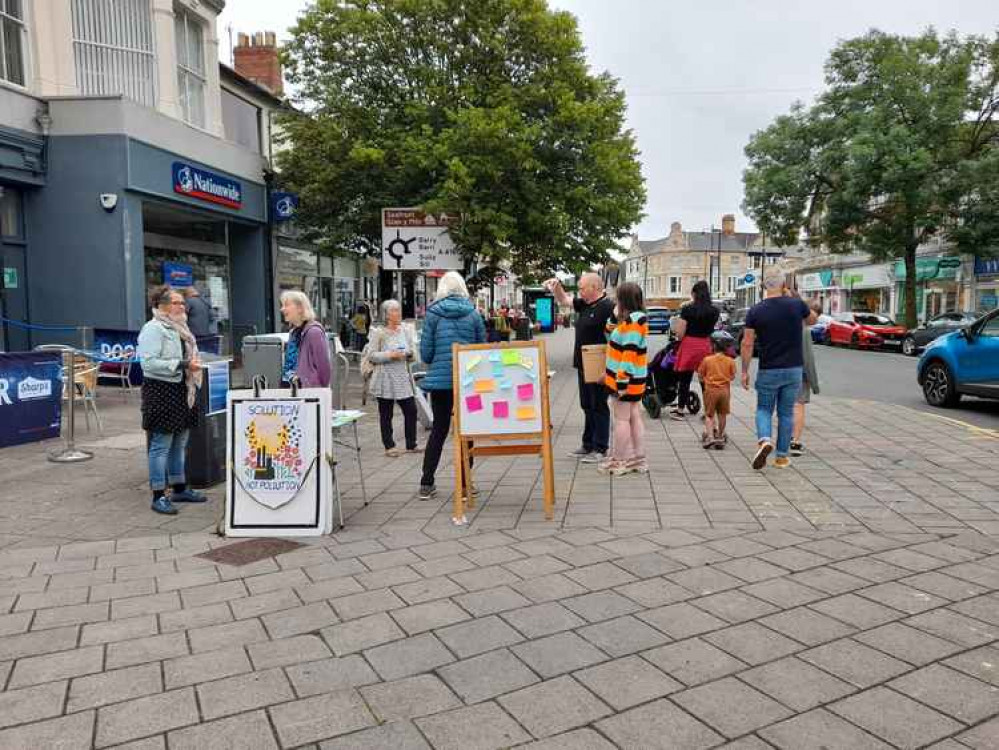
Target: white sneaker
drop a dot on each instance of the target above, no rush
(593, 458)
(578, 453)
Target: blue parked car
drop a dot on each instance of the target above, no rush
(658, 318)
(962, 362)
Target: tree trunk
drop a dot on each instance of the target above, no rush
(910, 285)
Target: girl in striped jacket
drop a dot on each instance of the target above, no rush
(627, 370)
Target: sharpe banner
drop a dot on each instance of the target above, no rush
(30, 397)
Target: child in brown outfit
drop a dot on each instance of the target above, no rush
(717, 372)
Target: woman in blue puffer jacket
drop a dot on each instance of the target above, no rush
(451, 319)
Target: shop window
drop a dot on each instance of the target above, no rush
(10, 212)
(12, 41)
(190, 67)
(241, 121)
(113, 49)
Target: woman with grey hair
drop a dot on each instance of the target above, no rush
(390, 349)
(307, 354)
(451, 319)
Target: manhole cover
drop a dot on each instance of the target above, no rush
(250, 551)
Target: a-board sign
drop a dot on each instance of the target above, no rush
(499, 391)
(416, 241)
(501, 409)
(279, 481)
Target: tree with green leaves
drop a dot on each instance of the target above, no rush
(483, 109)
(901, 146)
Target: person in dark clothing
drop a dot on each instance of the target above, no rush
(594, 309)
(696, 324)
(451, 319)
(201, 319)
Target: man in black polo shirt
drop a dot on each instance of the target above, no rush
(593, 309)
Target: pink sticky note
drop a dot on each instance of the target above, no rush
(525, 391)
(501, 409)
(473, 403)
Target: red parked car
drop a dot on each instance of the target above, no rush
(863, 329)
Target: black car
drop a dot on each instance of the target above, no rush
(736, 324)
(916, 339)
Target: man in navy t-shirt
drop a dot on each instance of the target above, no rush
(775, 323)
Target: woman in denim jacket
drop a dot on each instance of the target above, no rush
(171, 372)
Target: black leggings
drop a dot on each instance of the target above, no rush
(385, 409)
(441, 404)
(683, 380)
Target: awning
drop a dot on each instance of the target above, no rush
(865, 277)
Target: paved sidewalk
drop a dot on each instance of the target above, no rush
(850, 602)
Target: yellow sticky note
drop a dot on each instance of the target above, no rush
(525, 412)
(473, 362)
(485, 386)
(511, 356)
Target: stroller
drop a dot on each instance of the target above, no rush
(661, 386)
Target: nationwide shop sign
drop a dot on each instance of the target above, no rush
(206, 186)
(416, 241)
(30, 397)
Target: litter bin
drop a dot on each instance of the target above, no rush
(264, 355)
(206, 446)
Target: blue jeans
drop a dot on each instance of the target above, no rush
(777, 389)
(167, 453)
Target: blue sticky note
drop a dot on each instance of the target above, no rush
(506, 384)
(532, 375)
(495, 356)
(498, 369)
(468, 381)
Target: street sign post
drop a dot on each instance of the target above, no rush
(951, 262)
(416, 241)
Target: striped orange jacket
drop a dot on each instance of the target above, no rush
(627, 358)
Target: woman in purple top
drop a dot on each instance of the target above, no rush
(307, 354)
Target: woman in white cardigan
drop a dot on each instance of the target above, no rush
(390, 349)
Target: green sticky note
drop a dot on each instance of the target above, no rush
(511, 356)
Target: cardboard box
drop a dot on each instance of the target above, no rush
(594, 362)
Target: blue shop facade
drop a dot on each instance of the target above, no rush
(114, 199)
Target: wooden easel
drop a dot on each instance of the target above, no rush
(502, 443)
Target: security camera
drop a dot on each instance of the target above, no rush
(109, 201)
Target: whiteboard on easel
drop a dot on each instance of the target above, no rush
(279, 482)
(500, 390)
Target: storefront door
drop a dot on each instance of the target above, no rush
(13, 277)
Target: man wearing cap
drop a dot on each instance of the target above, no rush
(776, 324)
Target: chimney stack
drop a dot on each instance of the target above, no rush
(256, 57)
(728, 225)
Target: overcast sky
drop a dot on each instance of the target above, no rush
(702, 75)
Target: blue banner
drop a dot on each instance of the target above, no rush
(986, 266)
(30, 397)
(178, 274)
(218, 385)
(284, 206)
(116, 345)
(206, 186)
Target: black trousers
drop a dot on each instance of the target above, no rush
(385, 409)
(683, 381)
(596, 415)
(441, 404)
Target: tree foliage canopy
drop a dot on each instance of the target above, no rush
(485, 109)
(901, 146)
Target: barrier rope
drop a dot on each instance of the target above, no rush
(40, 326)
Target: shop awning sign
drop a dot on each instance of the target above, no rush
(986, 266)
(206, 186)
(416, 241)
